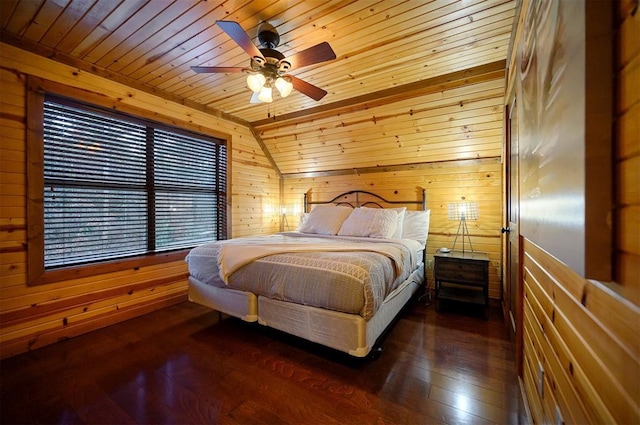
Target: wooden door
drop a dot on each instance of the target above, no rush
(513, 282)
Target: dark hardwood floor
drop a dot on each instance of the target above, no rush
(183, 365)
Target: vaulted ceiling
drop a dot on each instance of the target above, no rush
(386, 51)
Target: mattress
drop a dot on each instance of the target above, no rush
(353, 282)
(349, 333)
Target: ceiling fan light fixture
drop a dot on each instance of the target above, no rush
(254, 98)
(267, 65)
(284, 86)
(256, 82)
(266, 94)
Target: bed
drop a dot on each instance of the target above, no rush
(339, 279)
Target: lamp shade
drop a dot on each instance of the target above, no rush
(284, 86)
(256, 82)
(462, 210)
(266, 94)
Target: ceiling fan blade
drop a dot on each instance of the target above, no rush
(215, 69)
(242, 39)
(315, 93)
(319, 53)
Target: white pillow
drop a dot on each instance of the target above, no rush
(325, 219)
(303, 219)
(370, 222)
(416, 225)
(399, 223)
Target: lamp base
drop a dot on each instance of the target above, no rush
(462, 228)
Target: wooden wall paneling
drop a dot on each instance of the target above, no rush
(40, 315)
(382, 136)
(36, 324)
(433, 97)
(404, 135)
(627, 155)
(12, 179)
(89, 288)
(534, 353)
(629, 84)
(555, 378)
(628, 32)
(540, 315)
(243, 149)
(255, 190)
(17, 346)
(585, 332)
(609, 360)
(408, 157)
(12, 266)
(408, 133)
(551, 380)
(629, 229)
(530, 377)
(429, 86)
(446, 182)
(628, 131)
(119, 94)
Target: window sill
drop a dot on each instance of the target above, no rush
(134, 263)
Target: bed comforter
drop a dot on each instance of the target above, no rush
(313, 271)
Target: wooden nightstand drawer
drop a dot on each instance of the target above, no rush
(461, 270)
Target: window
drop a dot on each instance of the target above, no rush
(117, 186)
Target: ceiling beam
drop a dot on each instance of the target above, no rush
(490, 71)
(265, 150)
(393, 168)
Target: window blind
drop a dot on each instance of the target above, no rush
(116, 186)
(186, 186)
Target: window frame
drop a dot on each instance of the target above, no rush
(37, 90)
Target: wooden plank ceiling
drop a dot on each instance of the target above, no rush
(387, 51)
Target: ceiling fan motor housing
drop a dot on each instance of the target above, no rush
(268, 36)
(274, 63)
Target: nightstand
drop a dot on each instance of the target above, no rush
(462, 277)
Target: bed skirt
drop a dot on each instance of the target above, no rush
(345, 332)
(240, 304)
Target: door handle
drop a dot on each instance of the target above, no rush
(505, 230)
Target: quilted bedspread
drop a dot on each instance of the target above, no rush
(353, 281)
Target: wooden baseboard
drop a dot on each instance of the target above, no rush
(32, 342)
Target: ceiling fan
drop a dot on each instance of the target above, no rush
(268, 67)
